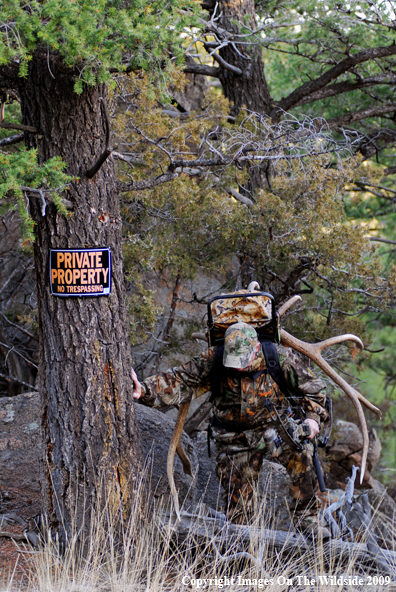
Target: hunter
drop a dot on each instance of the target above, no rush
(249, 407)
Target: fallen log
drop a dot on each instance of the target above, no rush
(240, 537)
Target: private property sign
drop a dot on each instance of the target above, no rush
(80, 272)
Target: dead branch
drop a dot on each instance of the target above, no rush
(149, 183)
(12, 140)
(11, 378)
(17, 126)
(222, 532)
(349, 118)
(198, 417)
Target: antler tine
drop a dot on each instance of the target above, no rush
(288, 304)
(253, 286)
(175, 443)
(339, 339)
(333, 341)
(313, 352)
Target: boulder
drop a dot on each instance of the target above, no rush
(156, 431)
(208, 487)
(345, 451)
(374, 451)
(346, 439)
(20, 442)
(274, 495)
(20, 447)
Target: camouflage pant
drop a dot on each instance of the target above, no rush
(239, 459)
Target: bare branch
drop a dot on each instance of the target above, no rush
(319, 83)
(349, 118)
(18, 327)
(202, 69)
(226, 65)
(11, 378)
(12, 140)
(24, 128)
(374, 239)
(238, 196)
(390, 171)
(148, 184)
(18, 353)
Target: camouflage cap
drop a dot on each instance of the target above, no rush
(240, 343)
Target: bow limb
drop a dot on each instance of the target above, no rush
(175, 444)
(312, 351)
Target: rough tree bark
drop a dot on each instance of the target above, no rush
(250, 88)
(91, 446)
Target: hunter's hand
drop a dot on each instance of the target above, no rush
(314, 428)
(137, 393)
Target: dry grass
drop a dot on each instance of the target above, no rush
(146, 556)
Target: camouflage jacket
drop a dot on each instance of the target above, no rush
(242, 401)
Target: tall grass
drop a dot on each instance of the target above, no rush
(146, 555)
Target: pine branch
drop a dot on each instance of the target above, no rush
(349, 118)
(202, 69)
(319, 83)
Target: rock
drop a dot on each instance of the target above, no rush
(20, 447)
(273, 488)
(20, 442)
(374, 451)
(354, 459)
(383, 509)
(208, 487)
(346, 439)
(345, 451)
(156, 431)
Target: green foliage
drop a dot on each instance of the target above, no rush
(95, 38)
(306, 39)
(19, 174)
(194, 227)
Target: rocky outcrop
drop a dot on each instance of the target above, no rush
(156, 431)
(20, 448)
(20, 453)
(345, 450)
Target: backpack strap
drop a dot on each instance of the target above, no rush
(272, 361)
(275, 371)
(217, 373)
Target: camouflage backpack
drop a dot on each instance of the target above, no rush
(252, 307)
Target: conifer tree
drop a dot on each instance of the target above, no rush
(57, 59)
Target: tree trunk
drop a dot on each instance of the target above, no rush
(90, 440)
(250, 88)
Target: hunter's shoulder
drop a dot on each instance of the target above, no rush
(290, 357)
(283, 352)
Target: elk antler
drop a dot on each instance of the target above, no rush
(313, 351)
(327, 343)
(176, 445)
